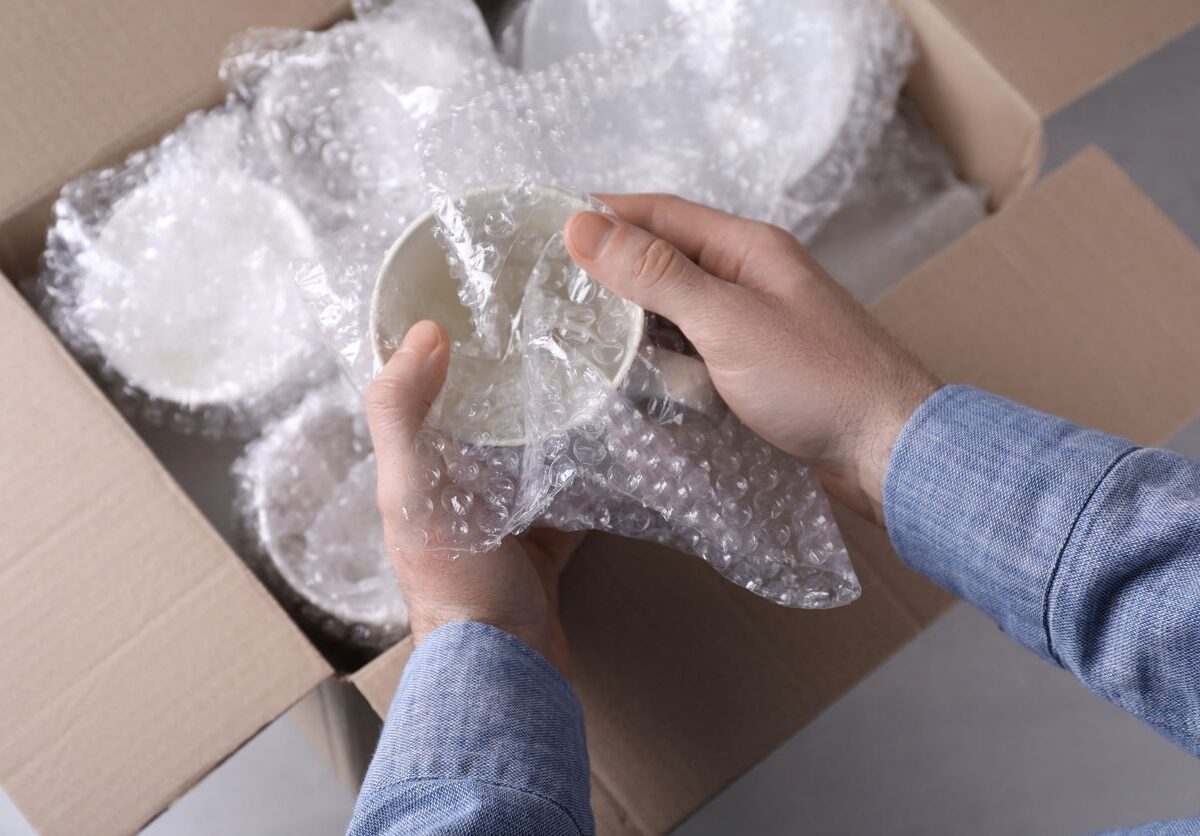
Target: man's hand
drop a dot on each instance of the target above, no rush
(794, 356)
(514, 588)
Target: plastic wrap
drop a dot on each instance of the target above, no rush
(565, 405)
(337, 112)
(561, 405)
(789, 96)
(306, 498)
(172, 274)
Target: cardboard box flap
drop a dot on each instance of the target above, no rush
(84, 83)
(137, 649)
(1055, 50)
(1081, 298)
(378, 680)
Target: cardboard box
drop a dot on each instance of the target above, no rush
(138, 651)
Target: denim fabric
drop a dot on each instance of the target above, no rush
(484, 736)
(981, 495)
(1083, 547)
(1181, 827)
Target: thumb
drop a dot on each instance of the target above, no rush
(399, 399)
(645, 269)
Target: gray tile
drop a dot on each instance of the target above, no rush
(962, 731)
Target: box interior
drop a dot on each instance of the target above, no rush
(162, 679)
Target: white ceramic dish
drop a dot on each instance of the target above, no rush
(187, 293)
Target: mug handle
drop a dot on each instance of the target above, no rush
(680, 378)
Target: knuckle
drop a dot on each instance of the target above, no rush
(657, 264)
(668, 201)
(664, 205)
(774, 236)
(386, 393)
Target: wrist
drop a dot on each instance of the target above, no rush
(541, 633)
(857, 479)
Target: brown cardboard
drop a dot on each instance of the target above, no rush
(1081, 298)
(138, 651)
(1081, 301)
(989, 71)
(993, 132)
(377, 680)
(1052, 51)
(144, 651)
(83, 83)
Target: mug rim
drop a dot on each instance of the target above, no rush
(638, 320)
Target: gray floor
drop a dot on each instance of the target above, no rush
(959, 732)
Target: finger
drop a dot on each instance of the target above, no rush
(719, 242)
(399, 399)
(645, 269)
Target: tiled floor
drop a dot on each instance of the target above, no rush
(959, 732)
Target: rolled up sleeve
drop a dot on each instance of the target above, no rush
(484, 736)
(1082, 546)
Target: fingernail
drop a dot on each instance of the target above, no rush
(589, 233)
(422, 338)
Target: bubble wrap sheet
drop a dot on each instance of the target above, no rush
(306, 499)
(171, 275)
(173, 272)
(766, 108)
(906, 204)
(564, 405)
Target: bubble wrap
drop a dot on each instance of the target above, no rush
(763, 107)
(306, 498)
(565, 405)
(562, 406)
(337, 112)
(171, 274)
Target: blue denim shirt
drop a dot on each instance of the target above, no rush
(1082, 546)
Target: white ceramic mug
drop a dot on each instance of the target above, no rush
(414, 283)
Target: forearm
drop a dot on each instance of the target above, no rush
(1083, 547)
(484, 736)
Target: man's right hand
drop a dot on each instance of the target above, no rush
(794, 356)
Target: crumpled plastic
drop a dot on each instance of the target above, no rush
(563, 406)
(171, 275)
(309, 520)
(906, 202)
(788, 96)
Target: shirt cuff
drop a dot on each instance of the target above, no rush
(478, 704)
(982, 494)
